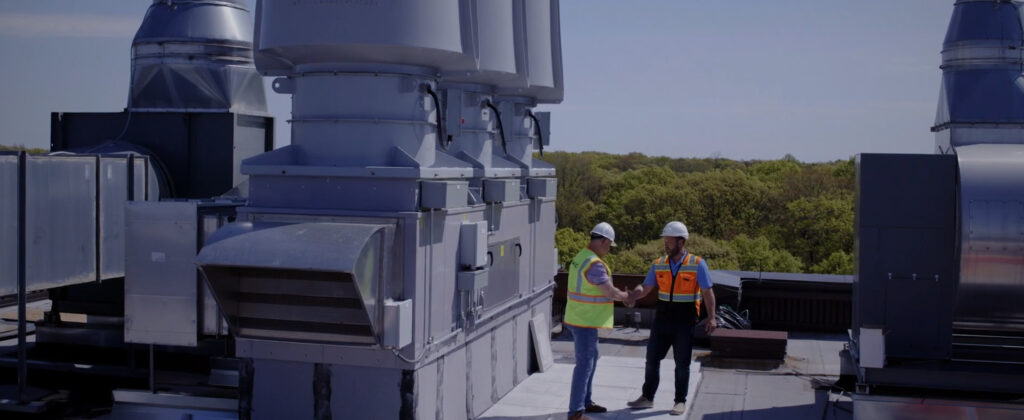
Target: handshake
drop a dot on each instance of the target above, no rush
(630, 297)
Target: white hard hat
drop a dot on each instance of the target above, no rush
(604, 229)
(675, 229)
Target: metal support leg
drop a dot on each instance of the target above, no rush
(22, 289)
(152, 371)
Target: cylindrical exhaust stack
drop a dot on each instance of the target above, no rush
(195, 55)
(363, 77)
(982, 95)
(472, 125)
(542, 36)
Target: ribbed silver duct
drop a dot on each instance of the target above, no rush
(195, 55)
(982, 94)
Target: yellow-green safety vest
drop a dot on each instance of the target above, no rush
(586, 306)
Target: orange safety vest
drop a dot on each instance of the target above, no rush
(681, 288)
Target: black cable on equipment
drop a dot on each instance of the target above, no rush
(540, 133)
(501, 129)
(443, 139)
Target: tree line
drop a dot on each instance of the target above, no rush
(776, 215)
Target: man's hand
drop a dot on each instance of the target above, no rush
(629, 300)
(634, 296)
(710, 325)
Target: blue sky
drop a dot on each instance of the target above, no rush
(818, 79)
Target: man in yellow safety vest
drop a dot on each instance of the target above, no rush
(589, 306)
(683, 282)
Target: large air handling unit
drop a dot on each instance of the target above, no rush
(396, 260)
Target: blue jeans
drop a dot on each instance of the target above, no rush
(673, 327)
(585, 340)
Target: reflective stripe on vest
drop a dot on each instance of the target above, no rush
(586, 305)
(681, 288)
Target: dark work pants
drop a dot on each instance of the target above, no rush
(673, 327)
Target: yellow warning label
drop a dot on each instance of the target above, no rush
(501, 251)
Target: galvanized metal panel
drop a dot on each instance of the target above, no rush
(545, 265)
(504, 278)
(61, 242)
(428, 389)
(454, 383)
(522, 347)
(8, 224)
(113, 194)
(251, 134)
(141, 174)
(481, 374)
(442, 246)
(505, 359)
(160, 275)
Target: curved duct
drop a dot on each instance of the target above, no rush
(991, 238)
(195, 55)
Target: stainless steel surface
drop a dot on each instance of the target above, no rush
(980, 99)
(195, 55)
(992, 238)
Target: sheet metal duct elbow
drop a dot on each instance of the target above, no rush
(195, 55)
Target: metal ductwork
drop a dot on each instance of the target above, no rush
(195, 55)
(981, 99)
(305, 281)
